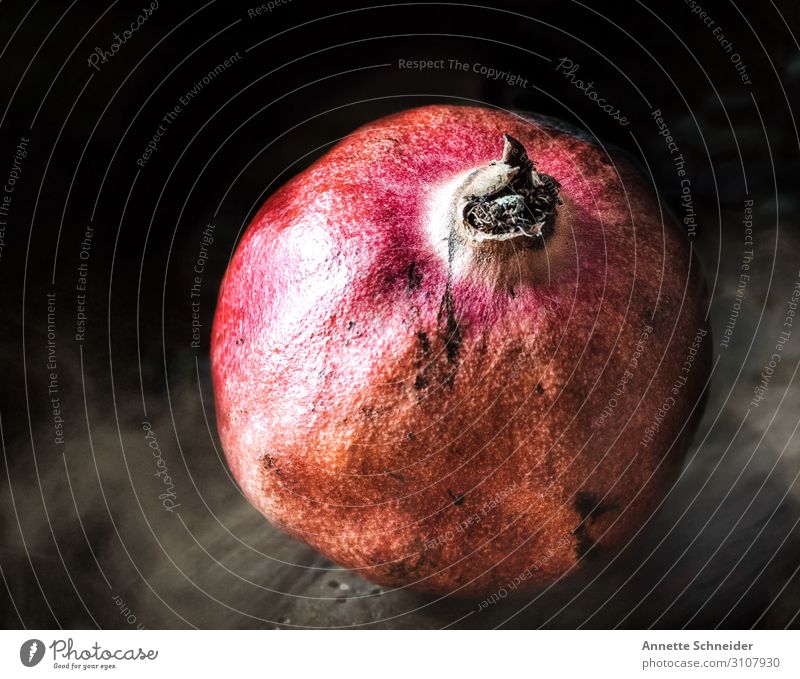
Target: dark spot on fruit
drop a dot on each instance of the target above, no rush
(414, 276)
(449, 377)
(240, 341)
(451, 333)
(585, 546)
(396, 570)
(420, 382)
(424, 342)
(410, 436)
(352, 333)
(267, 462)
(333, 583)
(404, 568)
(539, 389)
(458, 500)
(453, 338)
(585, 503)
(396, 476)
(512, 292)
(589, 506)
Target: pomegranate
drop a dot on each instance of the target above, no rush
(455, 367)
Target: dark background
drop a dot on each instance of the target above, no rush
(84, 540)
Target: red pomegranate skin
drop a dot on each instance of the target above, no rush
(450, 419)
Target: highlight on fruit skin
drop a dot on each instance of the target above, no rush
(465, 350)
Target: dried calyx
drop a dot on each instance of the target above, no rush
(508, 198)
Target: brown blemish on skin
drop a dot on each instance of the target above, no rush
(589, 507)
(369, 411)
(424, 342)
(585, 546)
(422, 380)
(414, 276)
(351, 332)
(404, 568)
(453, 337)
(451, 333)
(396, 570)
(458, 500)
